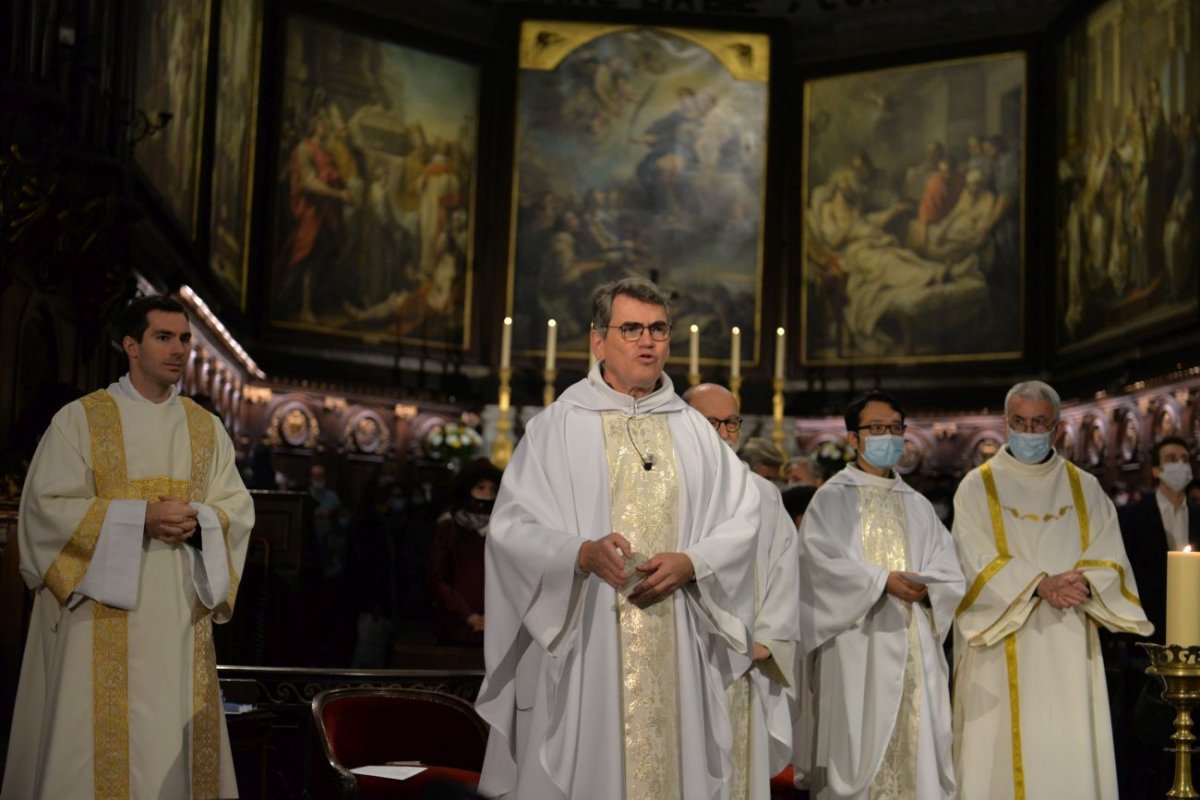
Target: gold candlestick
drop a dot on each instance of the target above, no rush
(777, 414)
(502, 445)
(735, 387)
(548, 391)
(1179, 670)
(693, 378)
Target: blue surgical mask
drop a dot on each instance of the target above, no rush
(1029, 447)
(883, 452)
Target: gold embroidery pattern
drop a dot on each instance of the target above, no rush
(200, 432)
(1128, 595)
(738, 696)
(234, 578)
(150, 489)
(1017, 514)
(206, 705)
(884, 527)
(644, 509)
(110, 692)
(108, 443)
(67, 568)
(1014, 712)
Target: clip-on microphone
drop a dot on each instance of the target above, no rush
(647, 458)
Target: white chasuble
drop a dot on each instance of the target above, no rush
(643, 511)
(882, 718)
(118, 695)
(1031, 715)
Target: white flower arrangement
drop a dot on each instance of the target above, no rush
(452, 442)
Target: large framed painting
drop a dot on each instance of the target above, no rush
(913, 213)
(639, 151)
(171, 76)
(374, 203)
(238, 59)
(1127, 173)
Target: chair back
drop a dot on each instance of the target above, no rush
(375, 725)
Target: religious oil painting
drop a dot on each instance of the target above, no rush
(233, 155)
(913, 213)
(374, 202)
(1127, 172)
(172, 69)
(639, 151)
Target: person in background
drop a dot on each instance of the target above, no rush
(456, 556)
(803, 471)
(370, 579)
(763, 458)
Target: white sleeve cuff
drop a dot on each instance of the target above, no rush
(209, 565)
(112, 574)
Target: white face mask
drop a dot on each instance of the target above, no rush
(1177, 475)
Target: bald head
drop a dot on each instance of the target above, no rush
(719, 405)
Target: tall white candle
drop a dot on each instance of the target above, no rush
(506, 344)
(779, 352)
(694, 351)
(1183, 598)
(735, 352)
(551, 343)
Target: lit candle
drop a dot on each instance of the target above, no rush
(779, 350)
(506, 344)
(591, 350)
(1183, 598)
(551, 343)
(735, 353)
(694, 351)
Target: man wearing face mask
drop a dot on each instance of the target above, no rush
(456, 556)
(1039, 542)
(879, 584)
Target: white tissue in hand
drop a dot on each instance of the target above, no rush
(632, 576)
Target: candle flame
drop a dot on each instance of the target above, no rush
(779, 331)
(736, 330)
(508, 320)
(1187, 549)
(551, 324)
(695, 329)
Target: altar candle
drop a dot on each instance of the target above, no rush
(1183, 598)
(779, 350)
(551, 343)
(694, 351)
(506, 344)
(735, 353)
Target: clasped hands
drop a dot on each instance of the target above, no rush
(1064, 590)
(171, 520)
(900, 587)
(662, 574)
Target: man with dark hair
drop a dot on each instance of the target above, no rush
(619, 588)
(879, 585)
(1038, 539)
(132, 533)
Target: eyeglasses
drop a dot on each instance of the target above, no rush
(732, 424)
(880, 428)
(1035, 425)
(632, 331)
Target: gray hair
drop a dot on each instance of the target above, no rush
(1034, 390)
(637, 288)
(808, 461)
(759, 452)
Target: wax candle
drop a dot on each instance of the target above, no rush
(779, 351)
(694, 351)
(551, 343)
(1183, 598)
(735, 352)
(506, 344)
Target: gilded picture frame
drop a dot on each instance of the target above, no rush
(1127, 132)
(239, 59)
(913, 213)
(170, 82)
(374, 204)
(639, 150)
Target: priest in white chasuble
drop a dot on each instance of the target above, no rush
(879, 582)
(1041, 548)
(763, 701)
(619, 587)
(132, 532)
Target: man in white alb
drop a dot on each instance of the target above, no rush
(1039, 543)
(619, 582)
(762, 702)
(133, 530)
(879, 582)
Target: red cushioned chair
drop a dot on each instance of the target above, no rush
(375, 725)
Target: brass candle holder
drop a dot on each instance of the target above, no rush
(548, 390)
(502, 445)
(777, 414)
(1178, 668)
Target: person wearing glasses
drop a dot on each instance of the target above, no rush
(879, 582)
(1039, 543)
(619, 577)
(761, 702)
